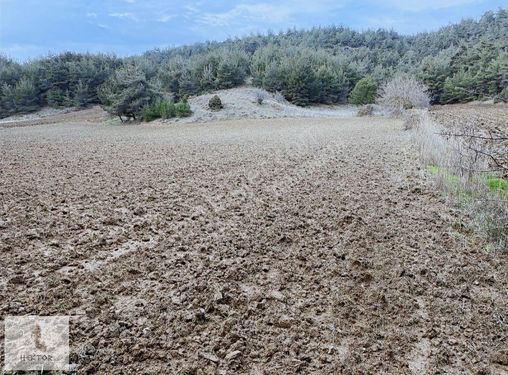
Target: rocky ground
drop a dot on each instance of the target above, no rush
(284, 246)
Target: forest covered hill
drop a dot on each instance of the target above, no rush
(458, 63)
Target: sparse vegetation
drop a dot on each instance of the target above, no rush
(458, 161)
(260, 97)
(411, 119)
(497, 184)
(366, 110)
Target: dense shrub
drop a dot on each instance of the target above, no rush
(364, 92)
(189, 74)
(183, 109)
(159, 108)
(304, 76)
(7, 102)
(215, 103)
(57, 98)
(68, 79)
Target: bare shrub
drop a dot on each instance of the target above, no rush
(433, 148)
(260, 96)
(279, 98)
(411, 119)
(366, 110)
(402, 93)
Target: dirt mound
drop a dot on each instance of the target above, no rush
(283, 246)
(241, 103)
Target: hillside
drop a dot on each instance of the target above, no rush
(459, 63)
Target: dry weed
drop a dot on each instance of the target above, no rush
(461, 164)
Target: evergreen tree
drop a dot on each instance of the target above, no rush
(364, 92)
(127, 92)
(26, 96)
(300, 87)
(332, 86)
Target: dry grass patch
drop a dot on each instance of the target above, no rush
(462, 163)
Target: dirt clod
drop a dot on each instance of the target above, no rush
(285, 246)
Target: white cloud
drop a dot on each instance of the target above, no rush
(91, 15)
(267, 13)
(124, 15)
(166, 18)
(417, 6)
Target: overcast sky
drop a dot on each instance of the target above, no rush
(31, 28)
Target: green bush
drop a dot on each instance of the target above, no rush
(215, 104)
(182, 109)
(159, 108)
(364, 92)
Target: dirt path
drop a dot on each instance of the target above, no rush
(308, 246)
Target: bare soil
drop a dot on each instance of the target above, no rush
(493, 117)
(93, 114)
(285, 246)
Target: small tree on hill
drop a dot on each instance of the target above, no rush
(364, 92)
(215, 104)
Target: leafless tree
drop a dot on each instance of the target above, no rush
(403, 92)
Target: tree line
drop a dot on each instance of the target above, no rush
(458, 63)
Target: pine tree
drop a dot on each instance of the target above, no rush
(300, 87)
(26, 96)
(364, 92)
(332, 86)
(127, 92)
